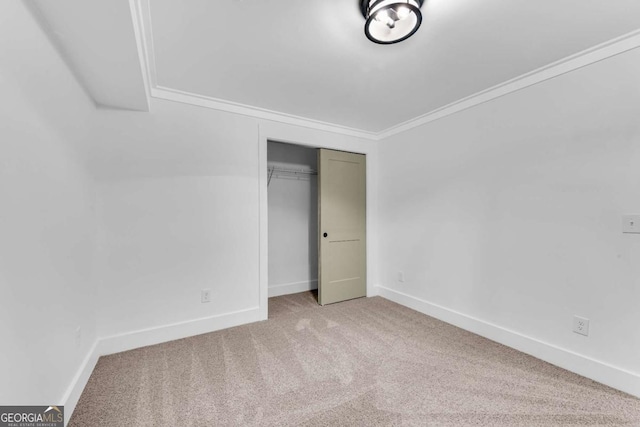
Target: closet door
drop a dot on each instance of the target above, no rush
(342, 226)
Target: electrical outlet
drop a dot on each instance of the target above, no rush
(400, 277)
(631, 224)
(581, 325)
(205, 295)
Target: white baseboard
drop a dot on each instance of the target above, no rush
(72, 395)
(373, 291)
(599, 371)
(157, 335)
(146, 337)
(292, 288)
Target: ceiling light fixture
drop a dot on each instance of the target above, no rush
(391, 21)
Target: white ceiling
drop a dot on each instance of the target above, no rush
(311, 58)
(97, 40)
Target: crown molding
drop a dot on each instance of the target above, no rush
(570, 63)
(170, 94)
(141, 47)
(141, 18)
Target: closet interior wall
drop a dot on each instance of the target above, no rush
(293, 218)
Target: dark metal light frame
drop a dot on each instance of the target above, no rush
(370, 8)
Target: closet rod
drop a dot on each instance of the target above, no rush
(289, 173)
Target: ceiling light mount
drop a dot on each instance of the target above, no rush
(391, 21)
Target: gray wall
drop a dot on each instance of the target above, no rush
(509, 213)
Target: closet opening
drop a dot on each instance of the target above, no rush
(292, 195)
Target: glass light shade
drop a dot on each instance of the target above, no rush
(391, 21)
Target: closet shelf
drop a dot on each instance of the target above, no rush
(289, 173)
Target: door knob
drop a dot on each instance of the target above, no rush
(325, 235)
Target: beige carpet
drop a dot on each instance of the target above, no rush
(365, 362)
